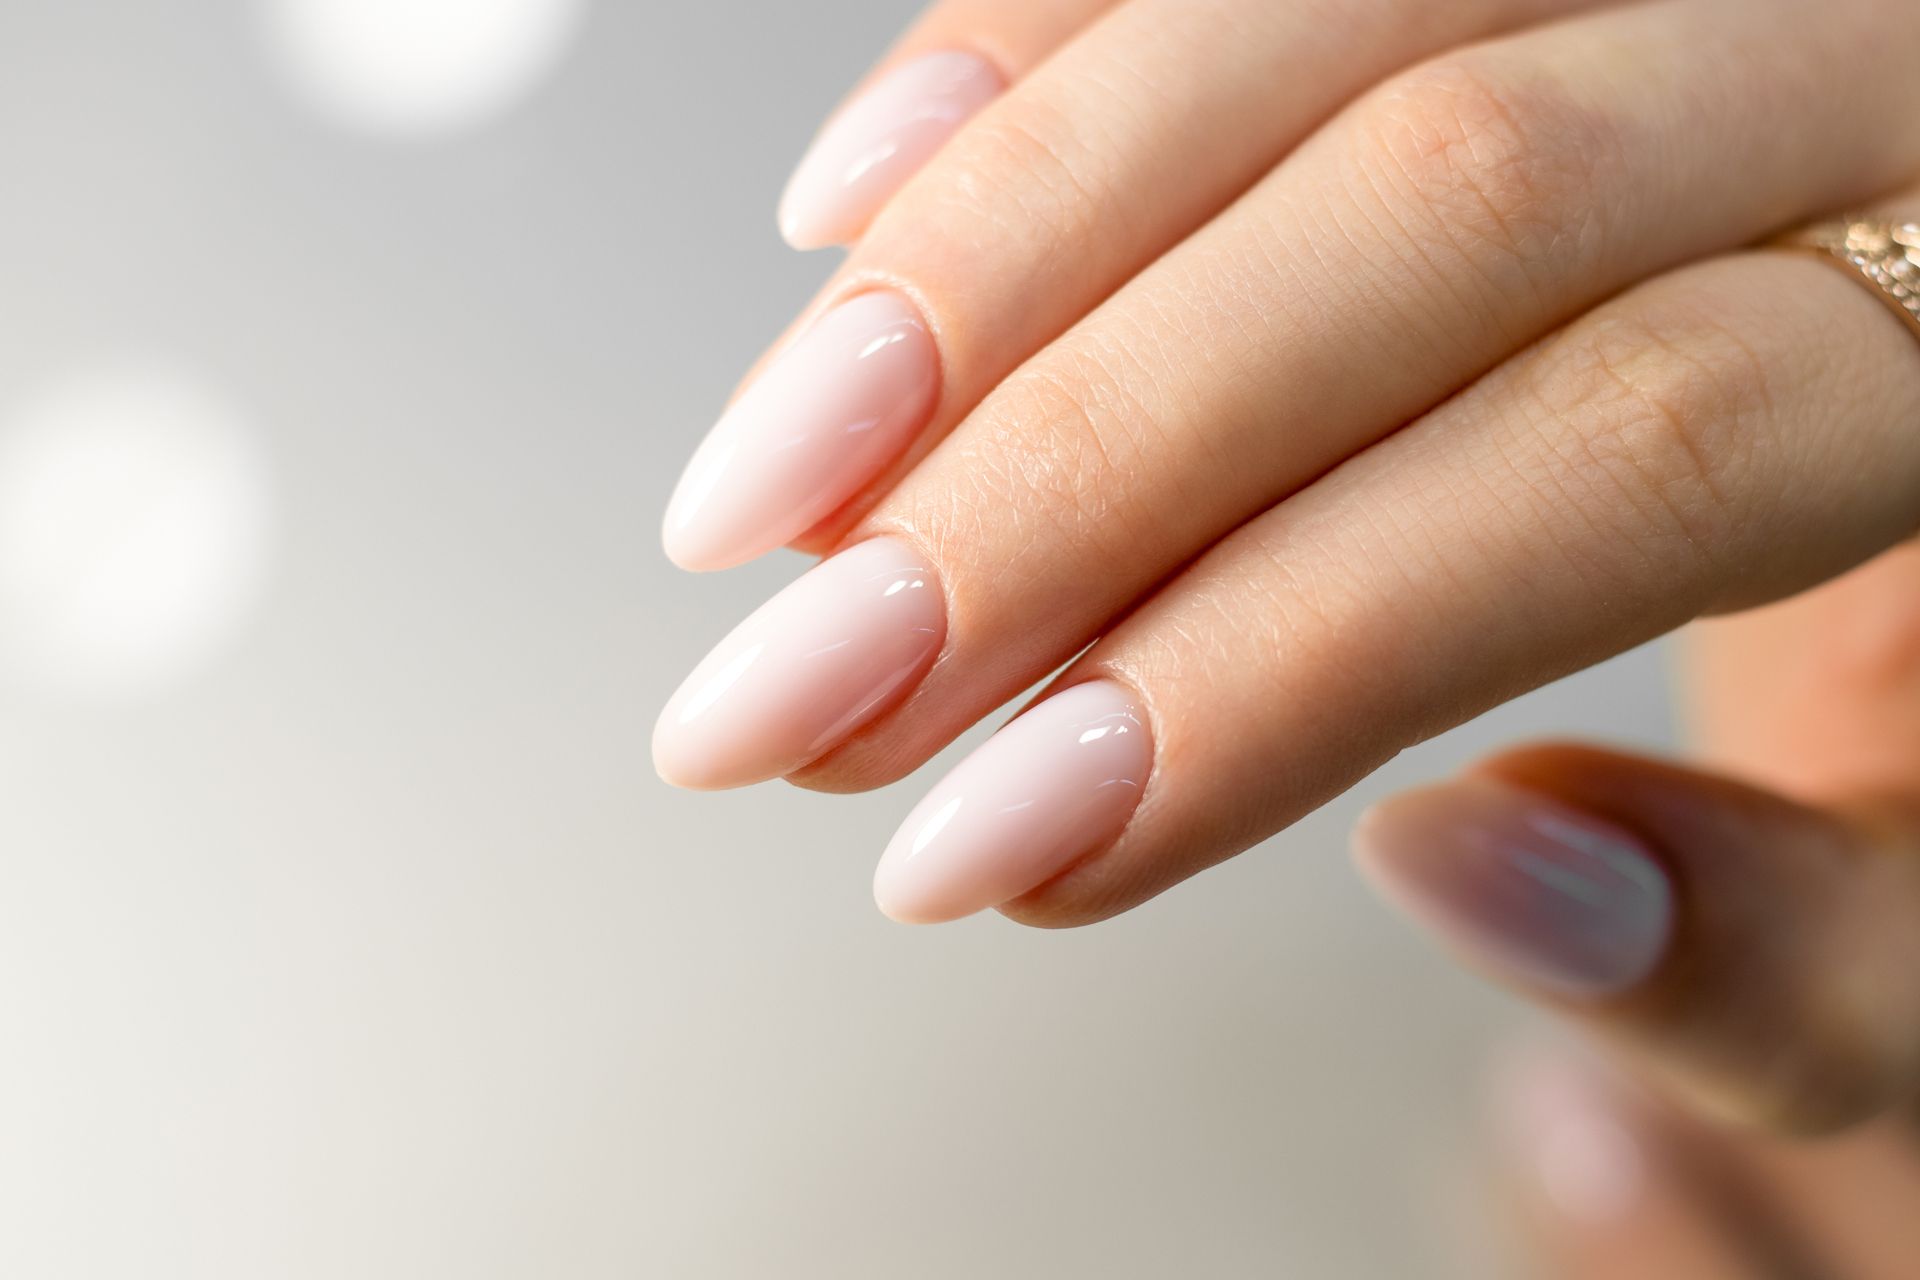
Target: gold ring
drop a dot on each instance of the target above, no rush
(1883, 252)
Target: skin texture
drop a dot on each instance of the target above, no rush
(1316, 376)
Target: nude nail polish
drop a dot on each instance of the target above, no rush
(825, 418)
(879, 140)
(808, 669)
(1058, 783)
(1560, 899)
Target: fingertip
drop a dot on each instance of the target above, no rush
(696, 540)
(1057, 784)
(695, 556)
(1526, 888)
(803, 230)
(902, 906)
(806, 671)
(678, 762)
(878, 141)
(905, 895)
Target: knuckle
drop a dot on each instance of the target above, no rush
(1055, 455)
(1487, 161)
(1671, 407)
(1024, 171)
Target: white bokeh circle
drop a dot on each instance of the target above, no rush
(417, 68)
(134, 523)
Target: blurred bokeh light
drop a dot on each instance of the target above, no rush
(133, 530)
(418, 68)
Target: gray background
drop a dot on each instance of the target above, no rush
(371, 947)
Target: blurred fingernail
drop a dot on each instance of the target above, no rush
(1058, 783)
(1570, 1133)
(818, 424)
(869, 150)
(1560, 899)
(815, 663)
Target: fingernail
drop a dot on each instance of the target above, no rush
(824, 419)
(815, 663)
(1569, 1132)
(1056, 784)
(1561, 899)
(869, 150)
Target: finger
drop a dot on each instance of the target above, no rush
(1855, 1194)
(1817, 696)
(1781, 987)
(1594, 1190)
(1607, 1183)
(1806, 909)
(960, 56)
(1095, 165)
(1294, 332)
(1760, 957)
(1724, 435)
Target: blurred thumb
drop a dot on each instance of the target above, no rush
(1758, 956)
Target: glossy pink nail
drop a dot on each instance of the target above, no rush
(879, 140)
(815, 663)
(1056, 784)
(1559, 899)
(823, 420)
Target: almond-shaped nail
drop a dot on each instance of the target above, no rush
(1058, 783)
(825, 418)
(879, 140)
(1559, 899)
(810, 667)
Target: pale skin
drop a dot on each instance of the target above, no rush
(1331, 371)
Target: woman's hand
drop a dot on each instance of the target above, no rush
(1750, 947)
(1334, 370)
(1749, 937)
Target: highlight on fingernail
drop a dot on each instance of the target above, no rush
(1558, 899)
(1060, 782)
(819, 424)
(810, 668)
(879, 140)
